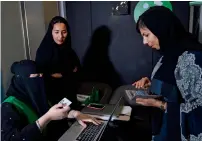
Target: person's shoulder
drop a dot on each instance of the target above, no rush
(190, 58)
(190, 55)
(7, 107)
(8, 110)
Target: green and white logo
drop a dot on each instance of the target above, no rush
(142, 6)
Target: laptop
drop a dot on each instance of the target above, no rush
(91, 133)
(104, 113)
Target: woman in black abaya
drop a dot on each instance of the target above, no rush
(58, 62)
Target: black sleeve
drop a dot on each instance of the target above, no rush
(14, 126)
(76, 60)
(42, 61)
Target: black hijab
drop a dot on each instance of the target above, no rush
(54, 58)
(172, 36)
(28, 90)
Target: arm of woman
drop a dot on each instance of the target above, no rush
(15, 128)
(81, 118)
(152, 102)
(43, 61)
(12, 126)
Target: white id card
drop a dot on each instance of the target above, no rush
(65, 102)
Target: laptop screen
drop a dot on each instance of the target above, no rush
(110, 118)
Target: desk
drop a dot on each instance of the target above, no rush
(132, 130)
(124, 114)
(139, 126)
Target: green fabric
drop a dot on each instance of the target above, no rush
(143, 6)
(23, 108)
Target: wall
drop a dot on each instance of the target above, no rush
(130, 59)
(35, 24)
(38, 20)
(13, 39)
(50, 10)
(12, 45)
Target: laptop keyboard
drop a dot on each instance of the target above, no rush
(89, 132)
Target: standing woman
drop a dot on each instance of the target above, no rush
(58, 62)
(177, 77)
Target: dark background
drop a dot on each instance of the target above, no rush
(108, 46)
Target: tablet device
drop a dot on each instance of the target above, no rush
(133, 94)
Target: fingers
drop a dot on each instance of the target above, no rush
(94, 120)
(65, 109)
(88, 118)
(134, 84)
(82, 123)
(139, 84)
(142, 83)
(75, 69)
(59, 105)
(147, 85)
(97, 121)
(141, 101)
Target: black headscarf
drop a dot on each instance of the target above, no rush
(172, 36)
(28, 90)
(54, 58)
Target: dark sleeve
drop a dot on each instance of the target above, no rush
(42, 61)
(78, 65)
(75, 63)
(14, 126)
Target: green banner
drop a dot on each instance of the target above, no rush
(142, 6)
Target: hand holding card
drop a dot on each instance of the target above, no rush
(65, 102)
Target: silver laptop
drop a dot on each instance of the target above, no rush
(91, 133)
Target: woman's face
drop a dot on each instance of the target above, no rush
(149, 38)
(59, 33)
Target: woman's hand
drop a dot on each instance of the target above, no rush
(81, 118)
(57, 75)
(75, 69)
(151, 102)
(142, 83)
(58, 112)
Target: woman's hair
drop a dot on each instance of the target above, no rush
(140, 24)
(58, 19)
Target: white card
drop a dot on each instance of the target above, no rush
(65, 102)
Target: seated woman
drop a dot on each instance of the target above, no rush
(58, 62)
(25, 113)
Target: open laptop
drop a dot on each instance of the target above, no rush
(91, 133)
